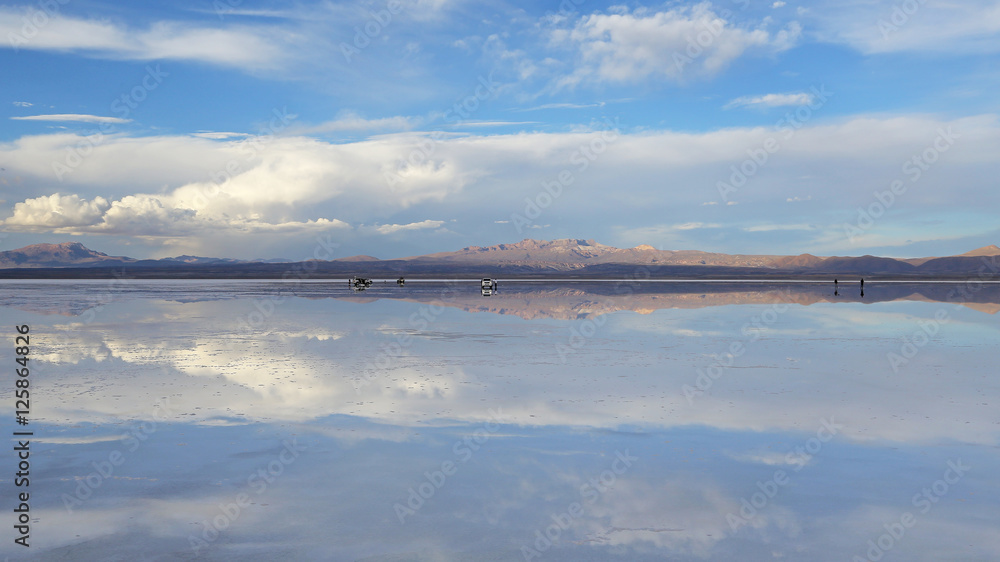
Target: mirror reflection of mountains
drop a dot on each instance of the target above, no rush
(528, 300)
(582, 300)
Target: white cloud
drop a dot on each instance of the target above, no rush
(662, 234)
(75, 117)
(693, 225)
(57, 211)
(219, 135)
(628, 47)
(163, 185)
(222, 11)
(23, 104)
(141, 215)
(773, 227)
(272, 189)
(248, 48)
(562, 106)
(393, 228)
(773, 458)
(492, 123)
(355, 123)
(771, 100)
(883, 26)
(60, 440)
(276, 178)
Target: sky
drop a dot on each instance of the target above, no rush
(295, 130)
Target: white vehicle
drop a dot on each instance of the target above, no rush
(359, 283)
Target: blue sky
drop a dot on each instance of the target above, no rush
(242, 129)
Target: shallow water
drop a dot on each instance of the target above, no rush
(569, 421)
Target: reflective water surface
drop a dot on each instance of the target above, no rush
(549, 421)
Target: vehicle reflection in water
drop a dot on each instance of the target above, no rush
(488, 287)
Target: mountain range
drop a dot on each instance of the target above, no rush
(527, 258)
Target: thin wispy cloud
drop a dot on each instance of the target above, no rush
(971, 26)
(562, 106)
(355, 123)
(778, 227)
(394, 228)
(772, 100)
(693, 226)
(72, 117)
(492, 123)
(222, 11)
(219, 135)
(244, 47)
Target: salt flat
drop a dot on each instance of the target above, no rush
(562, 421)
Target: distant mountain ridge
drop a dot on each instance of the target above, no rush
(67, 254)
(75, 254)
(991, 250)
(525, 258)
(571, 254)
(584, 252)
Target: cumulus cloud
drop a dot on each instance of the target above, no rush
(141, 215)
(237, 185)
(57, 211)
(186, 186)
(631, 46)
